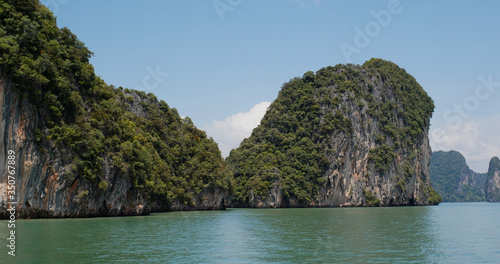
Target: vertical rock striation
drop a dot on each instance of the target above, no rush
(347, 135)
(493, 181)
(45, 182)
(84, 148)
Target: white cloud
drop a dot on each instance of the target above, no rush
(231, 131)
(478, 140)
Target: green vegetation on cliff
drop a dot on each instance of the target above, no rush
(452, 178)
(89, 121)
(292, 150)
(493, 180)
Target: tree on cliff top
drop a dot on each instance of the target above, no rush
(88, 120)
(290, 147)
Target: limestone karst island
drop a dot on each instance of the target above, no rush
(345, 135)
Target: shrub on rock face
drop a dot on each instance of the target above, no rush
(343, 135)
(101, 135)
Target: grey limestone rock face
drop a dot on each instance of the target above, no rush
(42, 186)
(350, 174)
(376, 154)
(493, 181)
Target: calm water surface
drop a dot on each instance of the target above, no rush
(448, 233)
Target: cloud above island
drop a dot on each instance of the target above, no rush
(477, 140)
(229, 132)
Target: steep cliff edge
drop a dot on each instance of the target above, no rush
(347, 135)
(84, 148)
(493, 181)
(452, 178)
(42, 186)
(455, 182)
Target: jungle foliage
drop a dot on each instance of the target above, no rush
(292, 146)
(91, 122)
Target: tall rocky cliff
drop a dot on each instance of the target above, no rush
(493, 181)
(48, 184)
(456, 182)
(347, 135)
(84, 148)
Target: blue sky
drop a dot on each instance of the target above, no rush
(221, 62)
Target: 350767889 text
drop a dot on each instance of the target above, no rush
(12, 202)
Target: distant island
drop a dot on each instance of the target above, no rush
(345, 135)
(452, 178)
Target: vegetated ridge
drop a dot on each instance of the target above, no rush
(347, 135)
(456, 182)
(84, 148)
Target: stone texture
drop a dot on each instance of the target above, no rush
(43, 191)
(351, 177)
(493, 181)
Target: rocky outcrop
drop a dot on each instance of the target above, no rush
(350, 175)
(452, 178)
(347, 135)
(44, 186)
(493, 181)
(456, 182)
(84, 148)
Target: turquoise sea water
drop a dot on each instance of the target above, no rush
(448, 233)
